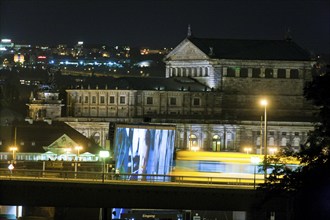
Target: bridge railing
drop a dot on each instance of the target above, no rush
(123, 177)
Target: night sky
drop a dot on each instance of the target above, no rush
(163, 23)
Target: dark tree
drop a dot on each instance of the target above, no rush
(309, 185)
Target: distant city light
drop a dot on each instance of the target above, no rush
(5, 40)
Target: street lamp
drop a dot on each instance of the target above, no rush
(255, 161)
(264, 103)
(272, 150)
(247, 150)
(13, 149)
(104, 154)
(78, 148)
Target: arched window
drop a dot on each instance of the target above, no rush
(193, 142)
(206, 71)
(178, 71)
(184, 72)
(271, 141)
(283, 142)
(258, 142)
(216, 143)
(296, 141)
(96, 137)
(200, 72)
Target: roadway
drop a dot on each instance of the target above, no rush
(69, 190)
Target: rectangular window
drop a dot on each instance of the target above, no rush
(281, 73)
(94, 99)
(172, 101)
(294, 74)
(243, 72)
(86, 99)
(231, 72)
(112, 100)
(256, 73)
(196, 101)
(102, 100)
(149, 100)
(122, 100)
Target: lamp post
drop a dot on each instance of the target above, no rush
(103, 154)
(264, 103)
(255, 161)
(78, 148)
(13, 149)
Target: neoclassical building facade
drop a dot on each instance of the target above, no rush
(211, 92)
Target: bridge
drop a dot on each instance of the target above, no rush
(96, 190)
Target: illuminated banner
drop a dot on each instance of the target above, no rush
(144, 149)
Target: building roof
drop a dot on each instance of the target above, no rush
(40, 134)
(145, 83)
(251, 49)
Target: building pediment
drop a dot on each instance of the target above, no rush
(61, 145)
(186, 50)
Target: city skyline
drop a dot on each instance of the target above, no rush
(164, 23)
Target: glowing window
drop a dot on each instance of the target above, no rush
(216, 143)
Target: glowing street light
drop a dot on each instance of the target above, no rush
(104, 154)
(247, 149)
(272, 150)
(255, 161)
(13, 149)
(264, 103)
(78, 148)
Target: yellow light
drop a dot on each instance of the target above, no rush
(272, 150)
(247, 149)
(264, 102)
(78, 148)
(13, 148)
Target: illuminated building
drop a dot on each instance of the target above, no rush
(19, 58)
(211, 93)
